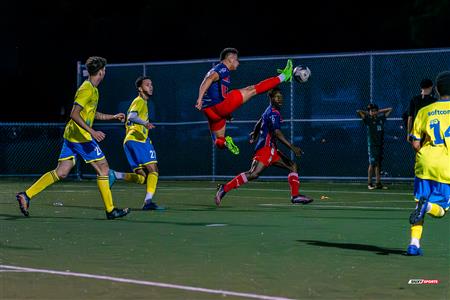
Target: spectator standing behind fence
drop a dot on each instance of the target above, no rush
(81, 140)
(374, 120)
(419, 101)
(431, 141)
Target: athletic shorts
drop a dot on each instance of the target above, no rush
(435, 192)
(89, 151)
(267, 155)
(140, 154)
(218, 113)
(375, 154)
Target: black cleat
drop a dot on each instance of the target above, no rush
(301, 199)
(24, 203)
(117, 213)
(220, 194)
(152, 206)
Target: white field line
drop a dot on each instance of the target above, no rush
(143, 282)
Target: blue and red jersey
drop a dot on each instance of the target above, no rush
(271, 120)
(218, 89)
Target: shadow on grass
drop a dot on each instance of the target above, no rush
(4, 246)
(358, 247)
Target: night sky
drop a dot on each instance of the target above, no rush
(42, 41)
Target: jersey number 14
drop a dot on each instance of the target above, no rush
(436, 126)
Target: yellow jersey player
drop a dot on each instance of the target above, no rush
(138, 147)
(80, 139)
(431, 141)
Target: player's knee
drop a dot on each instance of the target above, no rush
(62, 175)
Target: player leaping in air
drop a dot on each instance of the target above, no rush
(217, 102)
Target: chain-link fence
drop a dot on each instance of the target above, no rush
(319, 116)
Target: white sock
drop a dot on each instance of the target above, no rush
(148, 197)
(281, 77)
(415, 242)
(119, 175)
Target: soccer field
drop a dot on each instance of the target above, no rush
(256, 245)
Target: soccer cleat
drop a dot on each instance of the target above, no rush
(379, 186)
(370, 186)
(117, 213)
(24, 203)
(419, 213)
(301, 199)
(287, 71)
(414, 251)
(231, 145)
(112, 178)
(220, 194)
(152, 206)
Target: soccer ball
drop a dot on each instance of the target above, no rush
(301, 74)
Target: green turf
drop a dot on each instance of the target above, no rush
(350, 245)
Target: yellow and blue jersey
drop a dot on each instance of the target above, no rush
(137, 132)
(432, 128)
(86, 97)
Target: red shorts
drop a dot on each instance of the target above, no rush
(218, 113)
(267, 155)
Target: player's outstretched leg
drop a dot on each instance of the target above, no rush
(24, 203)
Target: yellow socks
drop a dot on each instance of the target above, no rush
(436, 211)
(105, 192)
(152, 181)
(133, 177)
(46, 180)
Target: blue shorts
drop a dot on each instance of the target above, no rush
(140, 154)
(89, 151)
(435, 192)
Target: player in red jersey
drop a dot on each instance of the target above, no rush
(267, 132)
(218, 102)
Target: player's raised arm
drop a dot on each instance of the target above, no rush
(385, 111)
(361, 113)
(204, 86)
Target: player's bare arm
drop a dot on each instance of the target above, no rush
(280, 136)
(75, 115)
(416, 145)
(211, 77)
(255, 133)
(385, 111)
(108, 117)
(361, 113)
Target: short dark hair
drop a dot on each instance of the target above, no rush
(273, 91)
(139, 81)
(372, 106)
(443, 83)
(227, 51)
(426, 83)
(95, 64)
